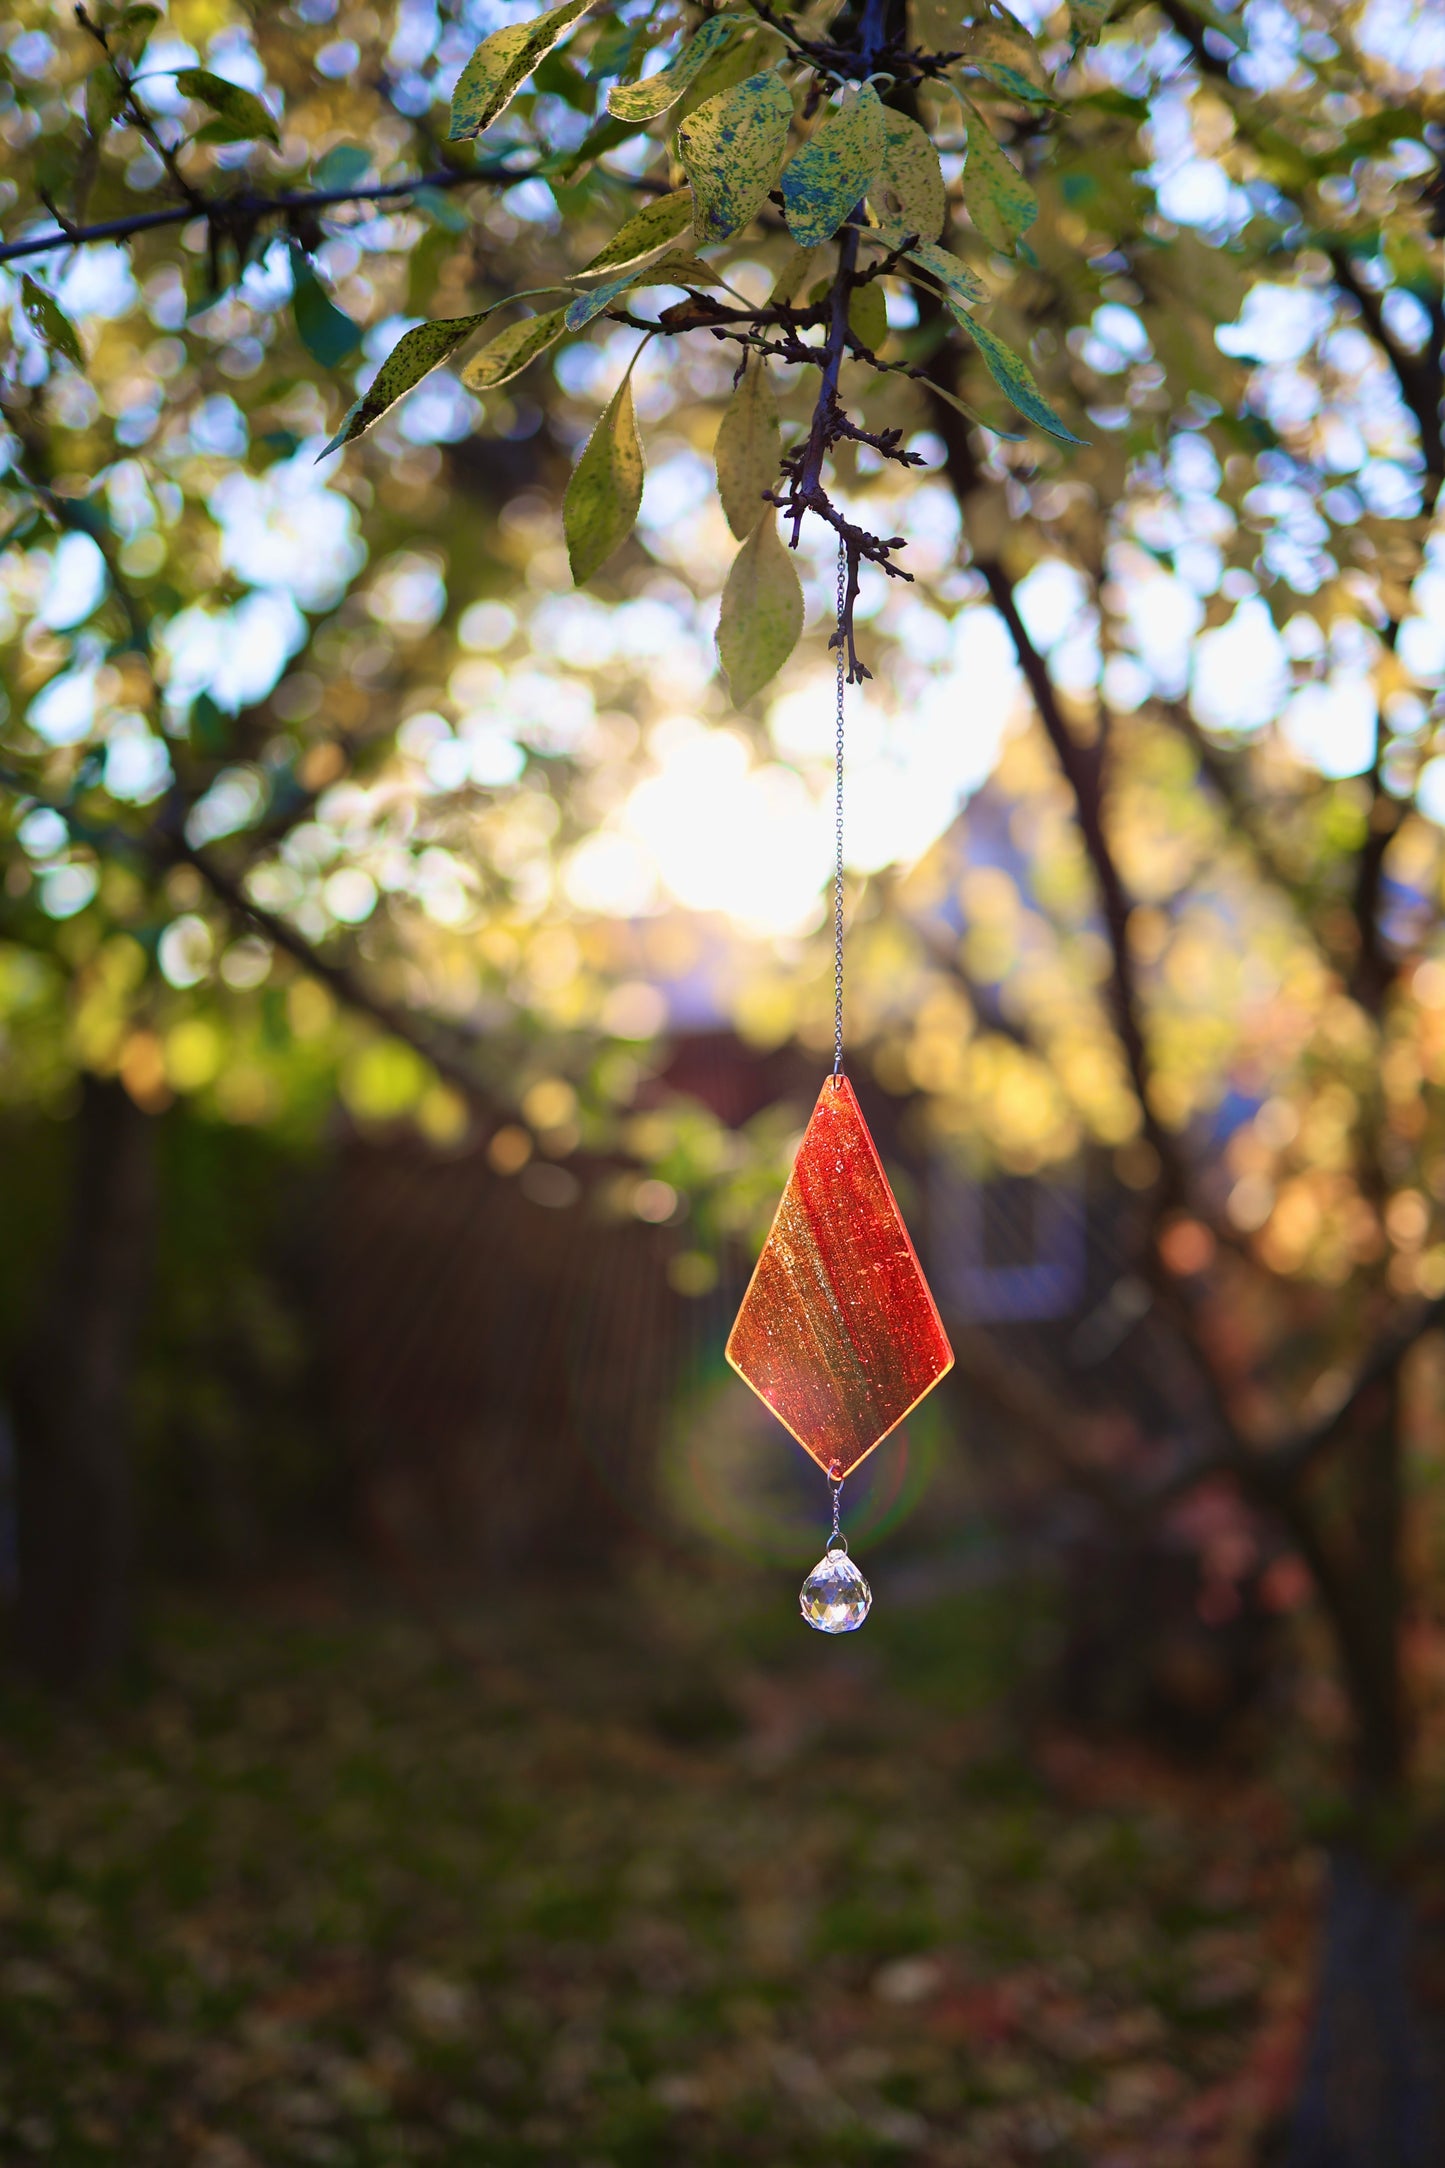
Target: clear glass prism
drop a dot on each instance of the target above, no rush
(835, 1598)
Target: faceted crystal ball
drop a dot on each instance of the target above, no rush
(835, 1598)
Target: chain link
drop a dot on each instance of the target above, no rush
(837, 1541)
(838, 839)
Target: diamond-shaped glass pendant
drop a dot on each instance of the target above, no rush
(838, 1332)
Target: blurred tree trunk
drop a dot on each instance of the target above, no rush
(1373, 2094)
(72, 1394)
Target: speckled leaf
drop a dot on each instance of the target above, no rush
(747, 56)
(655, 93)
(909, 187)
(762, 612)
(415, 355)
(1014, 378)
(652, 227)
(731, 149)
(952, 274)
(240, 115)
(500, 66)
(49, 321)
(508, 354)
(677, 268)
(1000, 201)
(599, 510)
(749, 446)
(836, 168)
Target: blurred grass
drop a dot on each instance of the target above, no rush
(651, 1877)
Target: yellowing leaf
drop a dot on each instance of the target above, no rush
(836, 168)
(1000, 201)
(937, 25)
(762, 612)
(909, 188)
(501, 64)
(655, 93)
(652, 227)
(749, 447)
(508, 354)
(1014, 378)
(599, 510)
(414, 356)
(795, 268)
(731, 149)
(677, 268)
(49, 321)
(240, 115)
(868, 315)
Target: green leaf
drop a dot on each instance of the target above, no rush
(655, 93)
(1000, 201)
(676, 269)
(130, 32)
(836, 167)
(909, 188)
(415, 354)
(749, 447)
(961, 406)
(104, 96)
(599, 510)
(868, 315)
(443, 210)
(240, 115)
(1087, 19)
(345, 165)
(652, 227)
(327, 333)
(1006, 56)
(959, 283)
(731, 149)
(49, 321)
(508, 354)
(762, 612)
(1228, 26)
(1014, 378)
(501, 64)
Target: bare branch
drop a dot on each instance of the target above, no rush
(250, 207)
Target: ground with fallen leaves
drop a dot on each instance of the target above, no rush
(644, 1879)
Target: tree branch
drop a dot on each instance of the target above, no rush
(252, 207)
(161, 848)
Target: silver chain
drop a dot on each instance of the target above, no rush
(837, 1541)
(838, 851)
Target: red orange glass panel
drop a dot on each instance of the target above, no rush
(838, 1332)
